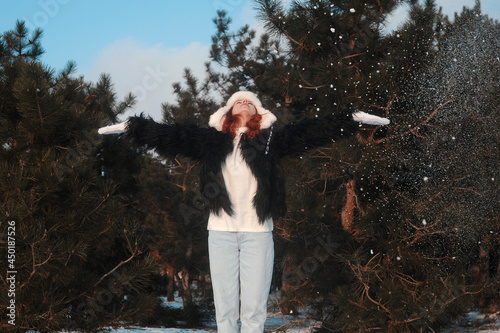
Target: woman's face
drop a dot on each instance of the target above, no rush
(244, 108)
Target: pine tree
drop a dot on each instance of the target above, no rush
(359, 244)
(339, 60)
(417, 243)
(79, 260)
(177, 219)
(393, 230)
(453, 121)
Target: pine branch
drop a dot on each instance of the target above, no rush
(414, 130)
(123, 262)
(34, 264)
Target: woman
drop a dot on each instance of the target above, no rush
(243, 187)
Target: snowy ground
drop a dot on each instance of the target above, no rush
(276, 322)
(476, 322)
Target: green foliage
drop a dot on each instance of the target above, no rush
(394, 230)
(79, 260)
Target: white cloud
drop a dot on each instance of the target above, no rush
(396, 18)
(400, 15)
(148, 72)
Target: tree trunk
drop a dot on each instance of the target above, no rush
(185, 280)
(351, 204)
(169, 269)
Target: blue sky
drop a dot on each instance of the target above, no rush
(145, 45)
(80, 29)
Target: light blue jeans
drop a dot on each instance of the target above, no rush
(241, 268)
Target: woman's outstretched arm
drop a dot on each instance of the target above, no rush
(316, 132)
(168, 140)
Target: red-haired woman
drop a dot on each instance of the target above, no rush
(243, 188)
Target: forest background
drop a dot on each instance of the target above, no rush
(395, 230)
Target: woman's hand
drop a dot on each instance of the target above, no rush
(113, 129)
(369, 119)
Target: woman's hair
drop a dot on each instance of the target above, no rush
(232, 123)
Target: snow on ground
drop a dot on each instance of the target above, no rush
(276, 322)
(476, 322)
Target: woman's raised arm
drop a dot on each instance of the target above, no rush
(168, 140)
(311, 133)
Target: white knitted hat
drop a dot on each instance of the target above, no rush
(217, 119)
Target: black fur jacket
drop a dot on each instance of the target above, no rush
(262, 154)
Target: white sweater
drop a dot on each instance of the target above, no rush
(241, 186)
